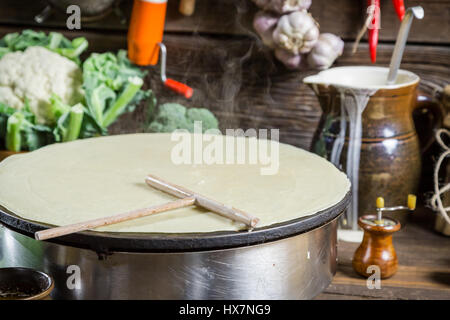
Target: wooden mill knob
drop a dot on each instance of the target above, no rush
(187, 7)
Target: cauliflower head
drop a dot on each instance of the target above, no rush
(33, 76)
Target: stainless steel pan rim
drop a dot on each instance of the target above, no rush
(108, 242)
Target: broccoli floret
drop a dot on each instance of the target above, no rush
(172, 116)
(209, 121)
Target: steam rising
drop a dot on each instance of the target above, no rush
(219, 67)
(231, 63)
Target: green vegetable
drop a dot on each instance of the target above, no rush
(90, 127)
(30, 135)
(172, 116)
(35, 136)
(3, 51)
(5, 113)
(97, 100)
(58, 108)
(132, 87)
(53, 41)
(78, 45)
(20, 134)
(209, 121)
(69, 125)
(75, 121)
(13, 136)
(112, 86)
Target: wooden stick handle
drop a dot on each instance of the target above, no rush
(187, 7)
(95, 223)
(202, 201)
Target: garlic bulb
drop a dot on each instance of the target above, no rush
(264, 23)
(290, 60)
(296, 32)
(283, 6)
(327, 49)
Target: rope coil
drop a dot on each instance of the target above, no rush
(436, 201)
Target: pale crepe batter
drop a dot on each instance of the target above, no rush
(72, 182)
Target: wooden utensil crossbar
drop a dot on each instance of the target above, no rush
(202, 201)
(187, 198)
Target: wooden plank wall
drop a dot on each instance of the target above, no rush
(216, 52)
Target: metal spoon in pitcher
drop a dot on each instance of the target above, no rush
(400, 43)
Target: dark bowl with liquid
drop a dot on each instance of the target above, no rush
(24, 284)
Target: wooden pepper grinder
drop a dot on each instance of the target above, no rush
(376, 247)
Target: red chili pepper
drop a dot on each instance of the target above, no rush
(399, 6)
(374, 29)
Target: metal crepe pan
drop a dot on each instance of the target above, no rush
(106, 242)
(291, 260)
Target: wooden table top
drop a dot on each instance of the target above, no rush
(423, 272)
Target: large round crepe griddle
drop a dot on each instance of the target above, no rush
(77, 181)
(104, 242)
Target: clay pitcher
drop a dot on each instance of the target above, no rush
(367, 130)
